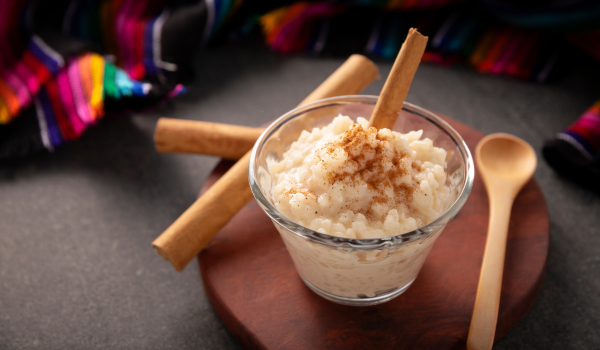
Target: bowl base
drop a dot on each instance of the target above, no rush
(359, 301)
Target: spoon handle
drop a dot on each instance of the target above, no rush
(485, 313)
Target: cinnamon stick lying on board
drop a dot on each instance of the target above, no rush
(390, 102)
(192, 231)
(232, 142)
(190, 136)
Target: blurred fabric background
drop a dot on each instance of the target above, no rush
(65, 63)
(76, 266)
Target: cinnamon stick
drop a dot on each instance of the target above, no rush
(395, 89)
(190, 136)
(232, 142)
(192, 231)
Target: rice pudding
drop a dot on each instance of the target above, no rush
(348, 180)
(352, 181)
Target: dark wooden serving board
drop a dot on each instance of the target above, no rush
(251, 282)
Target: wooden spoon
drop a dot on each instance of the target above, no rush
(505, 163)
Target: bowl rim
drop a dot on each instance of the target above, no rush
(358, 243)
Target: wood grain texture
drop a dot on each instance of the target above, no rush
(506, 163)
(251, 282)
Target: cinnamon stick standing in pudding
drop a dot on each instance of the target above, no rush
(190, 233)
(232, 142)
(395, 89)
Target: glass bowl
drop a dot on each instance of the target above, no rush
(358, 271)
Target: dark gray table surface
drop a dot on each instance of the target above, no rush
(76, 266)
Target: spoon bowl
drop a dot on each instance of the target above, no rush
(506, 163)
(506, 156)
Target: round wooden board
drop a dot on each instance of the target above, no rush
(251, 282)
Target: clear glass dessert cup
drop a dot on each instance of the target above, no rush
(358, 271)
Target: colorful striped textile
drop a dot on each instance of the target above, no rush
(51, 74)
(72, 99)
(36, 66)
(575, 152)
(584, 134)
(456, 35)
(64, 64)
(131, 30)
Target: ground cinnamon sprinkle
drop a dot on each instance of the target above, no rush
(304, 191)
(355, 143)
(348, 180)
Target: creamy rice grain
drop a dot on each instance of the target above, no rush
(348, 180)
